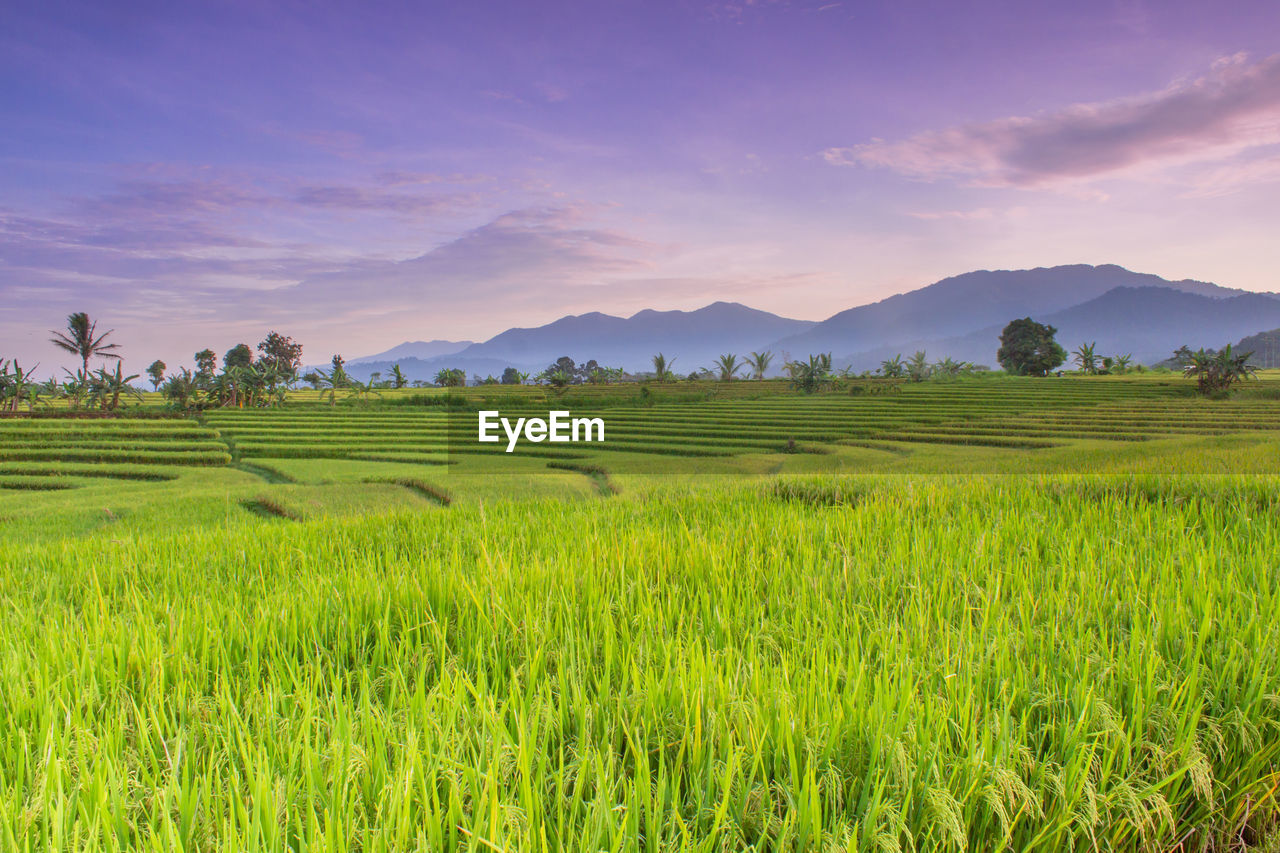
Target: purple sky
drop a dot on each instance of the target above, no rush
(359, 174)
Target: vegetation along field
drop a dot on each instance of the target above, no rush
(992, 613)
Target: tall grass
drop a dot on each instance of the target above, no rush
(890, 664)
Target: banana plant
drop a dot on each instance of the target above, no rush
(362, 392)
(893, 368)
(17, 386)
(1086, 357)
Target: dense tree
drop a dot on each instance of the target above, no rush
(81, 338)
(238, 356)
(281, 352)
(156, 372)
(206, 366)
(451, 377)
(1027, 348)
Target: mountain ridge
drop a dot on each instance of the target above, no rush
(960, 316)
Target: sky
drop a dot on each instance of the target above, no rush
(359, 174)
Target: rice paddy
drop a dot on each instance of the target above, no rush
(1017, 614)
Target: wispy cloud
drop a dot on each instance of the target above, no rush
(1232, 108)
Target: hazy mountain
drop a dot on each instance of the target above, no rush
(1265, 347)
(416, 349)
(426, 368)
(961, 317)
(1147, 322)
(693, 338)
(964, 303)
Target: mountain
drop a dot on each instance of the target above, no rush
(694, 338)
(1147, 322)
(964, 303)
(426, 368)
(961, 317)
(417, 350)
(1265, 347)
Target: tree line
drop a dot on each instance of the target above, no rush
(246, 379)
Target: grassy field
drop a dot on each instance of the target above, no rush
(1000, 614)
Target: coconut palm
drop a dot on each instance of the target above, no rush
(918, 366)
(662, 368)
(81, 338)
(728, 365)
(759, 363)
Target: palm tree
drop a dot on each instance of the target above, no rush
(892, 368)
(106, 388)
(812, 375)
(759, 363)
(728, 365)
(949, 367)
(450, 377)
(81, 338)
(918, 366)
(1122, 362)
(1217, 372)
(1087, 358)
(75, 387)
(17, 386)
(662, 367)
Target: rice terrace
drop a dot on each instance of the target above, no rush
(1034, 613)
(713, 426)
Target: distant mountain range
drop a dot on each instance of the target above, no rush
(1265, 347)
(961, 317)
(416, 350)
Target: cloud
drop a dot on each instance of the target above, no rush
(1231, 109)
(523, 256)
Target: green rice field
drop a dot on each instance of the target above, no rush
(1014, 614)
